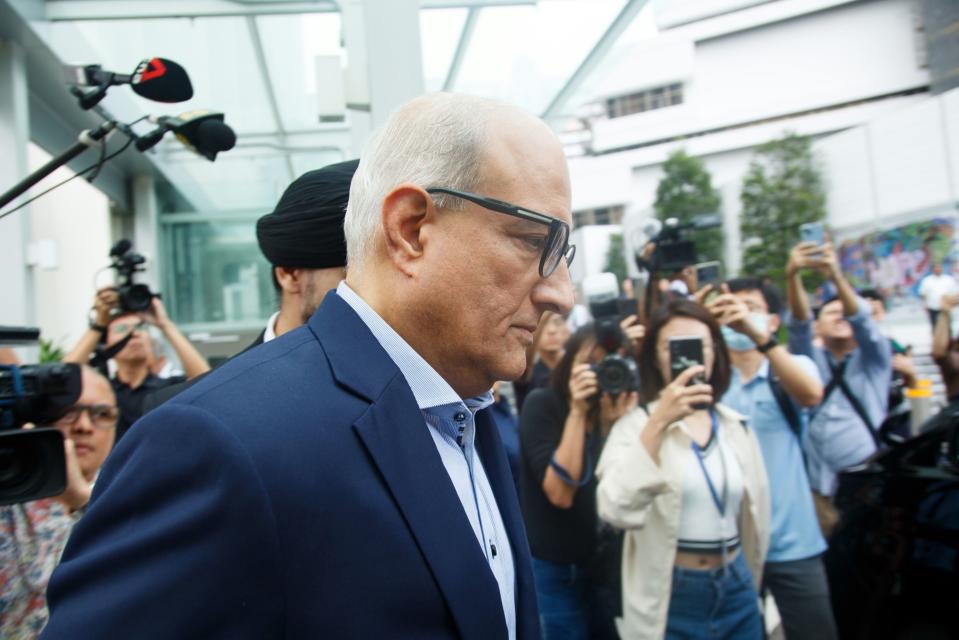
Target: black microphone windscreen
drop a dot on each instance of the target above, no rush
(214, 135)
(162, 80)
(122, 246)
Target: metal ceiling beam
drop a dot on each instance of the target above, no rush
(474, 4)
(599, 51)
(56, 120)
(76, 10)
(268, 86)
(466, 35)
(138, 10)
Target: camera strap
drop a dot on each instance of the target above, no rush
(720, 502)
(720, 499)
(103, 354)
(838, 380)
(587, 466)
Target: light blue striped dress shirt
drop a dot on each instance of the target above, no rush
(451, 423)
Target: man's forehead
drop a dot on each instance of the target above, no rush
(523, 163)
(126, 318)
(96, 389)
(751, 295)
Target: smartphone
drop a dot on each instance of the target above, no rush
(709, 273)
(686, 352)
(814, 232)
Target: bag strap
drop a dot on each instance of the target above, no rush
(839, 381)
(786, 405)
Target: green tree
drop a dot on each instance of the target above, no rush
(616, 257)
(685, 192)
(782, 189)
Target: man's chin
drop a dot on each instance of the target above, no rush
(511, 371)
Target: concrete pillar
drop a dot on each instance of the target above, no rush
(16, 283)
(146, 228)
(384, 58)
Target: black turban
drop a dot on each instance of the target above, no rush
(305, 229)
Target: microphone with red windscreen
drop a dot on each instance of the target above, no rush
(161, 80)
(156, 79)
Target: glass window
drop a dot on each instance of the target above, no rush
(214, 272)
(655, 98)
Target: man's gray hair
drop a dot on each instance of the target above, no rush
(433, 141)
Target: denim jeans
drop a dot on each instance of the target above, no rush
(571, 607)
(715, 603)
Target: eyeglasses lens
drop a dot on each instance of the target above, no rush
(556, 250)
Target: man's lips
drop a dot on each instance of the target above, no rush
(83, 449)
(526, 331)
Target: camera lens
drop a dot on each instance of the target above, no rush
(136, 297)
(15, 465)
(616, 374)
(32, 465)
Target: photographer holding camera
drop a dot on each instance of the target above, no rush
(125, 340)
(33, 534)
(562, 431)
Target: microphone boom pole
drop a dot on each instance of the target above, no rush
(88, 139)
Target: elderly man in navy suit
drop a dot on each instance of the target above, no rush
(346, 480)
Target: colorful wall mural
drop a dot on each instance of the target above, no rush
(895, 260)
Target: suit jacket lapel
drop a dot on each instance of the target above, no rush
(394, 433)
(491, 452)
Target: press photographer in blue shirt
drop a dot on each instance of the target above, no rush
(773, 387)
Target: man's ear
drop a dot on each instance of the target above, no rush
(774, 322)
(289, 278)
(406, 210)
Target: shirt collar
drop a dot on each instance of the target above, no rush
(270, 332)
(428, 387)
(762, 373)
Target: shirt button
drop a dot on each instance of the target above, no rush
(459, 417)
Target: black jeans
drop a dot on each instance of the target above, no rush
(801, 591)
(933, 316)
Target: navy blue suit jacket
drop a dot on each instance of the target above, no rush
(293, 493)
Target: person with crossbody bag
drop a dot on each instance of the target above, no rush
(854, 360)
(773, 387)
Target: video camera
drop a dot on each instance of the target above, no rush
(126, 262)
(674, 251)
(32, 463)
(615, 374)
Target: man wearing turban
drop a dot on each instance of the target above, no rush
(303, 239)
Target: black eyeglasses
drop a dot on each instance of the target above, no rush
(557, 242)
(103, 416)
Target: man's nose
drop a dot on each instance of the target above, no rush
(84, 423)
(555, 293)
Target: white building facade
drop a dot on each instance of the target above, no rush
(722, 77)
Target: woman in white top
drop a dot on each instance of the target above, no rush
(684, 477)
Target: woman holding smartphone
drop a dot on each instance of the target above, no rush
(684, 477)
(562, 430)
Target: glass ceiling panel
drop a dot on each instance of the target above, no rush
(618, 62)
(238, 181)
(216, 52)
(303, 162)
(440, 33)
(290, 45)
(525, 54)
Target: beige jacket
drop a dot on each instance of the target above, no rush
(643, 498)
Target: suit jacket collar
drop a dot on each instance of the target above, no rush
(394, 433)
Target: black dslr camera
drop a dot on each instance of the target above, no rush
(32, 464)
(133, 297)
(615, 374)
